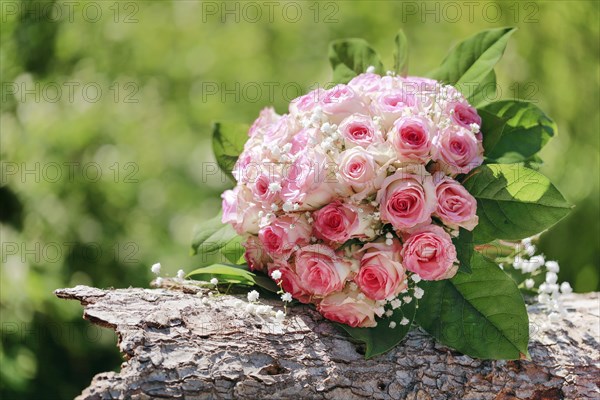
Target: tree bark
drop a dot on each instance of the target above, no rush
(177, 345)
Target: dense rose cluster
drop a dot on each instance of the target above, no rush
(354, 191)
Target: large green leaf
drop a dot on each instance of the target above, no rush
(212, 238)
(481, 314)
(236, 274)
(401, 54)
(350, 57)
(472, 60)
(482, 92)
(513, 202)
(383, 338)
(226, 273)
(228, 142)
(464, 249)
(491, 128)
(233, 250)
(526, 129)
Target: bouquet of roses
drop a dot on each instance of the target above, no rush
(369, 199)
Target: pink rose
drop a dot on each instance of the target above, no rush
(335, 222)
(320, 270)
(240, 211)
(411, 138)
(267, 117)
(359, 130)
(348, 309)
(278, 133)
(306, 103)
(229, 206)
(248, 218)
(429, 252)
(359, 171)
(464, 115)
(306, 181)
(255, 255)
(455, 205)
(365, 83)
(290, 282)
(281, 236)
(262, 188)
(248, 165)
(390, 105)
(457, 150)
(381, 275)
(300, 141)
(407, 198)
(341, 101)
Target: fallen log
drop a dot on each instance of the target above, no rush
(179, 345)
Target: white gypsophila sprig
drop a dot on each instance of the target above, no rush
(538, 276)
(253, 296)
(155, 268)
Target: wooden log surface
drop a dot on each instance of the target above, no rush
(177, 345)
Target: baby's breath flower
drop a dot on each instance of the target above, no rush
(159, 281)
(287, 297)
(262, 309)
(554, 317)
(552, 266)
(276, 274)
(416, 278)
(565, 288)
(419, 292)
(155, 268)
(407, 299)
(274, 187)
(404, 321)
(253, 296)
(529, 283)
(389, 313)
(392, 324)
(551, 277)
(180, 274)
(279, 315)
(395, 303)
(214, 281)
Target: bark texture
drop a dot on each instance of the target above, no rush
(178, 346)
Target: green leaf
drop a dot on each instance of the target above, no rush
(401, 54)
(213, 238)
(226, 273)
(513, 202)
(482, 314)
(228, 142)
(491, 128)
(483, 91)
(350, 57)
(464, 249)
(472, 60)
(205, 230)
(526, 129)
(266, 283)
(237, 274)
(383, 338)
(233, 250)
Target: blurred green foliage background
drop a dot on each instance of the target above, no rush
(105, 138)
